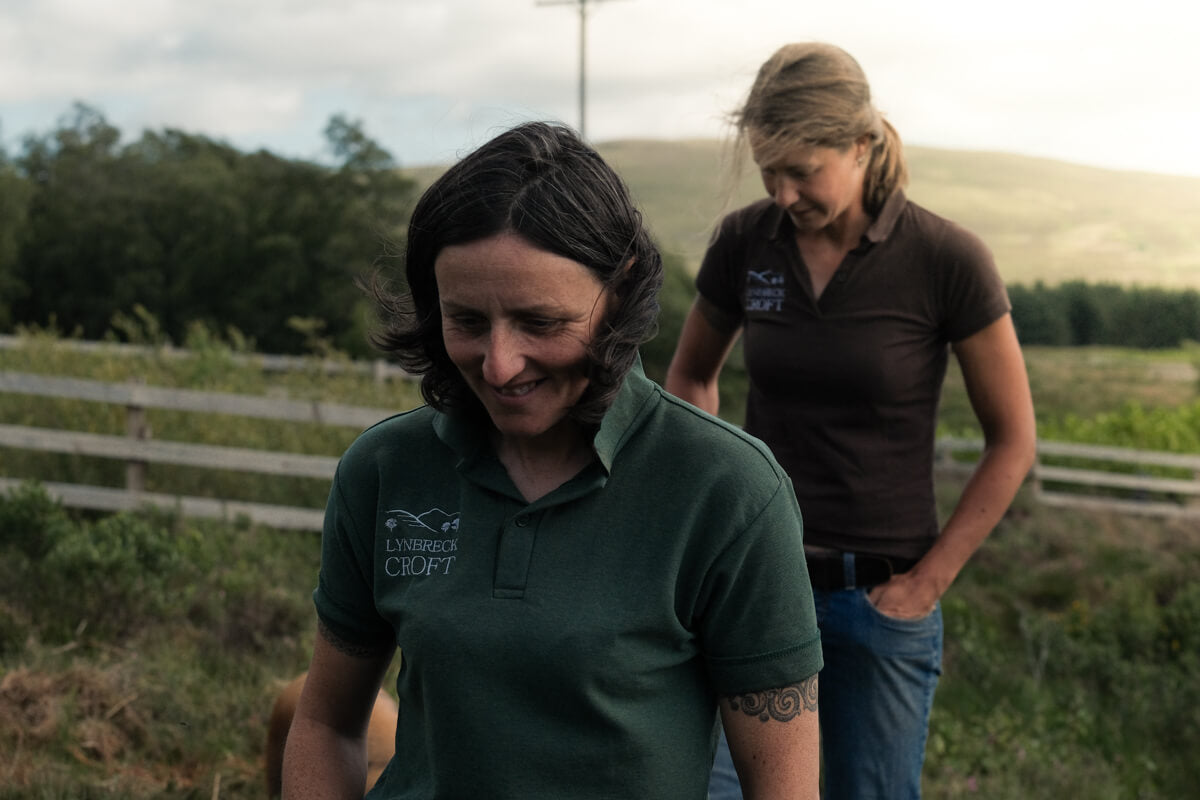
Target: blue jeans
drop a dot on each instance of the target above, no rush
(723, 780)
(876, 692)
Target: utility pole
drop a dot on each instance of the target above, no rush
(582, 4)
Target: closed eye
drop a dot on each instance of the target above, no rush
(797, 174)
(468, 323)
(540, 325)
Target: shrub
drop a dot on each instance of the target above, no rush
(113, 573)
(31, 521)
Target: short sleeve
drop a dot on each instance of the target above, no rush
(973, 295)
(760, 631)
(718, 280)
(344, 596)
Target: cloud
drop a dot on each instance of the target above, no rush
(1094, 81)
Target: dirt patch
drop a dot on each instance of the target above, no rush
(92, 710)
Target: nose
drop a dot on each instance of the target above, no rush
(502, 359)
(784, 192)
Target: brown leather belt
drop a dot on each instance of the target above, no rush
(827, 570)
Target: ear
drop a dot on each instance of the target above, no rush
(862, 149)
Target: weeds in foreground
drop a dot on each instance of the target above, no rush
(1070, 667)
(1071, 662)
(139, 653)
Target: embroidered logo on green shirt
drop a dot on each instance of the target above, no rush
(418, 554)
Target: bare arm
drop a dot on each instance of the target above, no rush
(701, 352)
(998, 388)
(326, 754)
(774, 741)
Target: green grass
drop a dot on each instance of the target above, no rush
(140, 654)
(1071, 663)
(1070, 666)
(212, 369)
(1086, 382)
(177, 696)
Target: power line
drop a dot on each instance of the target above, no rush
(582, 4)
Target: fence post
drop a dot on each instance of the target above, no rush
(136, 427)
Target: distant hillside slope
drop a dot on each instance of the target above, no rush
(1044, 220)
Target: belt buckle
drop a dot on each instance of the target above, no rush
(845, 569)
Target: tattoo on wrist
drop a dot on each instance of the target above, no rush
(782, 704)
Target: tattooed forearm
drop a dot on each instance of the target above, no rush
(782, 704)
(349, 648)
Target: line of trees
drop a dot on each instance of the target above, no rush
(187, 231)
(1076, 313)
(193, 231)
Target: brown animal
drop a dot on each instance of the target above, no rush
(381, 734)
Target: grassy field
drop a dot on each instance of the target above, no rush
(139, 654)
(1070, 667)
(1088, 382)
(1044, 220)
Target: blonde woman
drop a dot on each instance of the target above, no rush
(849, 298)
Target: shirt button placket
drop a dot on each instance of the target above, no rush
(514, 556)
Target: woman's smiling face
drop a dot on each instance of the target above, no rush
(517, 321)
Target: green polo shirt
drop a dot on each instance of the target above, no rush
(572, 647)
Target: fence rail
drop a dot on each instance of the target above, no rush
(1074, 486)
(1061, 484)
(138, 450)
(378, 368)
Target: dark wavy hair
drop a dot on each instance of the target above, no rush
(542, 183)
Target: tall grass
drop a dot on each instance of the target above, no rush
(1071, 663)
(139, 653)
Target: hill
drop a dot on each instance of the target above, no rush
(1044, 220)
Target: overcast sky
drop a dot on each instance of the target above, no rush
(1100, 82)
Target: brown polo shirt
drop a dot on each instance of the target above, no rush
(845, 389)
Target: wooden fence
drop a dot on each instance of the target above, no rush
(1080, 475)
(378, 368)
(1101, 478)
(138, 450)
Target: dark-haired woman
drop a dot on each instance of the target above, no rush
(849, 298)
(575, 565)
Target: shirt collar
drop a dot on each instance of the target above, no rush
(881, 227)
(624, 416)
(467, 434)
